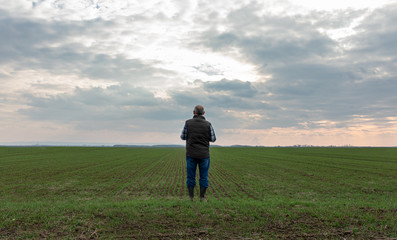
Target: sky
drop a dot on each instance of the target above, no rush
(269, 73)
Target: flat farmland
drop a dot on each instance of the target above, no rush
(254, 193)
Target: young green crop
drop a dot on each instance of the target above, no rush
(140, 193)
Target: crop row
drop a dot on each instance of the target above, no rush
(128, 173)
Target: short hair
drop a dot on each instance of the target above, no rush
(199, 110)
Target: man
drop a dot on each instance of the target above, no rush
(198, 132)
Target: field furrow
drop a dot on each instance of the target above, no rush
(226, 185)
(162, 184)
(182, 176)
(234, 184)
(217, 186)
(139, 183)
(171, 173)
(173, 181)
(116, 178)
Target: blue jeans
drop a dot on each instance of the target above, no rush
(204, 165)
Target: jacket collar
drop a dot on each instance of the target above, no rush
(201, 117)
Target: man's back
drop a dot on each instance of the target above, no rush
(198, 137)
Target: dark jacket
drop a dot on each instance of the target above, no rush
(197, 132)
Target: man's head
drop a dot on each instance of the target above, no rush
(198, 110)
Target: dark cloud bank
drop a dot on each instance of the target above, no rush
(313, 77)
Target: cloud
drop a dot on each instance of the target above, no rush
(223, 94)
(314, 77)
(208, 69)
(379, 32)
(121, 67)
(311, 79)
(234, 87)
(118, 106)
(60, 48)
(374, 48)
(269, 40)
(117, 102)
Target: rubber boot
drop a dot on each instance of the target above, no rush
(202, 193)
(191, 193)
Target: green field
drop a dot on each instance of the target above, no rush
(255, 193)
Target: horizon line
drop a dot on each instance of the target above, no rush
(83, 144)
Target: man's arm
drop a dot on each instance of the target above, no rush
(212, 134)
(184, 133)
